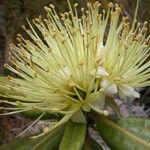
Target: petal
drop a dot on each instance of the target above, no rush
(125, 90)
(109, 88)
(100, 72)
(99, 101)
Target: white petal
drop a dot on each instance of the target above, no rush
(100, 72)
(127, 91)
(109, 88)
(78, 117)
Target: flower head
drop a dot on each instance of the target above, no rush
(72, 62)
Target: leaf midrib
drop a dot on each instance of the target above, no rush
(126, 132)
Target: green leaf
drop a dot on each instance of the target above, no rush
(74, 136)
(50, 141)
(125, 134)
(138, 126)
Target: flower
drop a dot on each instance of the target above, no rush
(68, 67)
(124, 57)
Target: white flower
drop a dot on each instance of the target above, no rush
(109, 88)
(68, 46)
(100, 72)
(121, 89)
(127, 91)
